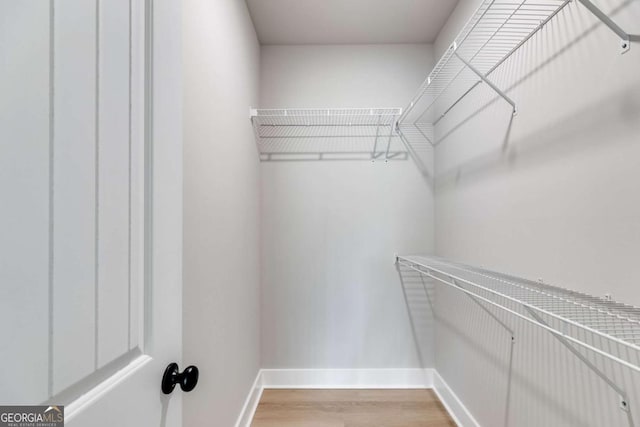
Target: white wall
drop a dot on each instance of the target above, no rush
(331, 297)
(221, 202)
(555, 198)
(460, 15)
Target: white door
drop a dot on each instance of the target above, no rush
(91, 208)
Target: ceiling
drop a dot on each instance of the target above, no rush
(349, 21)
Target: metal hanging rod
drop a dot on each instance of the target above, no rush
(327, 134)
(579, 321)
(610, 320)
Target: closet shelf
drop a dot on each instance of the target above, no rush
(493, 33)
(490, 36)
(580, 321)
(309, 117)
(327, 133)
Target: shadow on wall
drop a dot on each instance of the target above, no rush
(474, 331)
(538, 379)
(592, 126)
(530, 77)
(418, 292)
(419, 139)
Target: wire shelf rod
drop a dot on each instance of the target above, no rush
(421, 267)
(492, 34)
(326, 133)
(550, 329)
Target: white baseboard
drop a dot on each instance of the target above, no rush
(251, 403)
(452, 403)
(353, 379)
(347, 378)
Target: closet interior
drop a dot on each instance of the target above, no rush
(473, 232)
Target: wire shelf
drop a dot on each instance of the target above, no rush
(608, 328)
(494, 32)
(328, 134)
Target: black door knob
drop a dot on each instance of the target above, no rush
(172, 376)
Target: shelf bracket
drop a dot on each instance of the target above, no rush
(625, 38)
(487, 81)
(391, 128)
(406, 300)
(374, 154)
(256, 129)
(486, 310)
(624, 400)
(412, 153)
(454, 283)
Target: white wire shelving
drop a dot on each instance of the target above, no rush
(582, 322)
(587, 321)
(328, 134)
(496, 30)
(493, 33)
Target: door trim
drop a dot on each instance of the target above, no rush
(97, 392)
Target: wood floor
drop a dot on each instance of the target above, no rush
(350, 408)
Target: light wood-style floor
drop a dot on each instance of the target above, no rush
(350, 408)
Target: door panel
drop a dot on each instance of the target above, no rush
(91, 220)
(114, 182)
(24, 192)
(73, 192)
